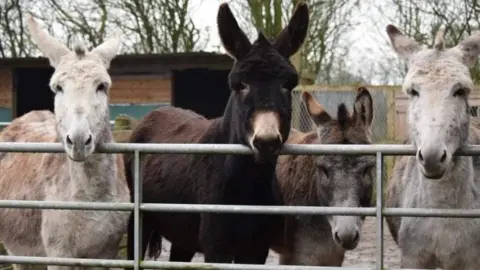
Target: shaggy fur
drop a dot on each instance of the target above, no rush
(257, 115)
(80, 123)
(327, 180)
(438, 83)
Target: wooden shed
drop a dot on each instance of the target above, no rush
(141, 83)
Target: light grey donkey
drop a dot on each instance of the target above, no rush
(81, 123)
(438, 84)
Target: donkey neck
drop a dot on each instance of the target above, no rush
(242, 172)
(94, 178)
(456, 189)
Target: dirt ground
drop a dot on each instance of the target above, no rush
(362, 256)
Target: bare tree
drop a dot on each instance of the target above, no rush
(149, 26)
(14, 41)
(157, 26)
(85, 19)
(421, 20)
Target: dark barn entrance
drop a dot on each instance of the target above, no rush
(204, 91)
(32, 90)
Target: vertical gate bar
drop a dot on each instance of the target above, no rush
(137, 221)
(379, 214)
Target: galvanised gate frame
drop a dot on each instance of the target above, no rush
(379, 211)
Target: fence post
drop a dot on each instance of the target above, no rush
(379, 214)
(137, 215)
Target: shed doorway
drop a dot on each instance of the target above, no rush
(32, 90)
(204, 91)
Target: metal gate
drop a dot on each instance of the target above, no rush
(379, 150)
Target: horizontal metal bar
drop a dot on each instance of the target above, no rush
(4, 124)
(242, 209)
(427, 212)
(224, 266)
(160, 264)
(66, 261)
(257, 209)
(105, 206)
(187, 148)
(311, 210)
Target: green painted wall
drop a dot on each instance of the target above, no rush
(5, 114)
(136, 111)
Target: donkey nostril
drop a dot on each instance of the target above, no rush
(357, 235)
(68, 140)
(267, 146)
(420, 157)
(336, 237)
(89, 140)
(444, 156)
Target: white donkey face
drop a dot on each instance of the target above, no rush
(80, 83)
(438, 83)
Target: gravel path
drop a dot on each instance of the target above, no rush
(362, 256)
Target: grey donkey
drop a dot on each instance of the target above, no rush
(438, 84)
(326, 180)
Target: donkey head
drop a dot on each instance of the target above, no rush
(80, 83)
(262, 79)
(438, 83)
(344, 181)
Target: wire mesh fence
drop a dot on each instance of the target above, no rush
(383, 105)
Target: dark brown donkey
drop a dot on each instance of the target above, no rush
(257, 115)
(326, 180)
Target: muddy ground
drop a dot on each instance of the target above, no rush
(362, 256)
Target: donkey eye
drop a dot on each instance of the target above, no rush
(413, 93)
(460, 92)
(58, 89)
(101, 87)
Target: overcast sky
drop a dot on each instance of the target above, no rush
(367, 40)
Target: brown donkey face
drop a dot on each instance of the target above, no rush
(344, 181)
(262, 79)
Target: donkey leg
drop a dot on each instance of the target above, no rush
(216, 238)
(256, 253)
(16, 250)
(256, 238)
(179, 254)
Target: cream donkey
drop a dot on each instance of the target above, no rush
(81, 122)
(438, 84)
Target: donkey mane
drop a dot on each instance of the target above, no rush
(343, 116)
(79, 49)
(258, 62)
(303, 190)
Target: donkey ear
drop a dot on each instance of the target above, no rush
(469, 49)
(108, 49)
(233, 38)
(49, 46)
(403, 45)
(363, 108)
(315, 110)
(291, 38)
